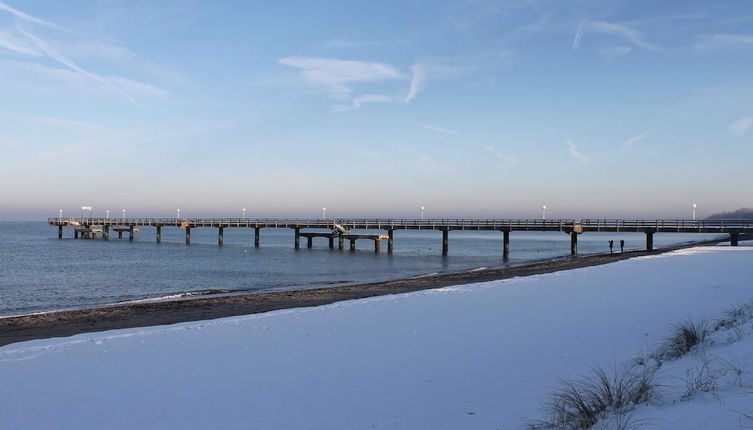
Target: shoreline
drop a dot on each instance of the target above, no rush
(65, 323)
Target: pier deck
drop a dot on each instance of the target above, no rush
(340, 228)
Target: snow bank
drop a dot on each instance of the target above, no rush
(476, 356)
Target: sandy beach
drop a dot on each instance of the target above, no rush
(70, 322)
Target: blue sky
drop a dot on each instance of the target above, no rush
(470, 108)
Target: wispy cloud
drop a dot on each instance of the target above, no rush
(630, 34)
(437, 129)
(356, 102)
(715, 41)
(16, 45)
(633, 140)
(425, 162)
(741, 126)
(60, 58)
(573, 150)
(417, 82)
(335, 76)
(28, 18)
(510, 161)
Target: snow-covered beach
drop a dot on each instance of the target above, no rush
(477, 356)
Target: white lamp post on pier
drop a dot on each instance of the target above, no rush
(124, 213)
(324, 213)
(422, 212)
(107, 213)
(694, 207)
(178, 213)
(543, 212)
(244, 213)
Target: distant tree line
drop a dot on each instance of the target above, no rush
(742, 213)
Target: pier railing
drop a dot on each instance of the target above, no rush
(418, 224)
(341, 227)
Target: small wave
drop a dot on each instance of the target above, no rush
(424, 275)
(177, 296)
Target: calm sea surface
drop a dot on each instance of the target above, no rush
(40, 272)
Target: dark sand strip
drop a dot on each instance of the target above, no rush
(70, 322)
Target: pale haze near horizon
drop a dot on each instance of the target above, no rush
(471, 109)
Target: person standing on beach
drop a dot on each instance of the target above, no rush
(611, 245)
(622, 245)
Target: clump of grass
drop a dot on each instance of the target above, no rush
(736, 316)
(581, 403)
(701, 380)
(684, 337)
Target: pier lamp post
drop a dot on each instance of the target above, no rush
(178, 213)
(244, 213)
(422, 212)
(60, 212)
(124, 213)
(543, 212)
(694, 206)
(107, 213)
(324, 213)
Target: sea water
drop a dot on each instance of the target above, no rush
(40, 272)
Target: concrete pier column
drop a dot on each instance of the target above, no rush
(60, 232)
(505, 244)
(377, 245)
(309, 242)
(573, 243)
(188, 235)
(221, 236)
(331, 242)
(159, 234)
(120, 234)
(649, 241)
(340, 242)
(297, 238)
(75, 233)
(256, 236)
(130, 233)
(106, 232)
(733, 238)
(445, 241)
(390, 240)
(352, 244)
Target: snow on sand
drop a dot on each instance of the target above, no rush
(476, 356)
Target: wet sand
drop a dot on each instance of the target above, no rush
(70, 322)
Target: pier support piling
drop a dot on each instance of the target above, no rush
(75, 233)
(60, 232)
(352, 244)
(505, 244)
(340, 243)
(331, 242)
(733, 238)
(256, 237)
(649, 241)
(445, 241)
(159, 234)
(106, 232)
(221, 236)
(309, 242)
(130, 233)
(390, 234)
(188, 235)
(573, 243)
(377, 245)
(120, 234)
(297, 238)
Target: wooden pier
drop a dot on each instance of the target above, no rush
(341, 229)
